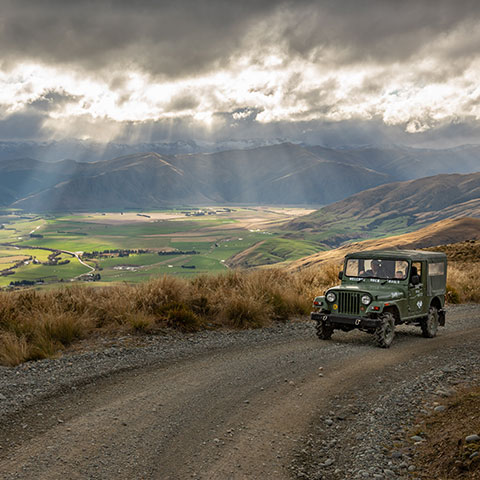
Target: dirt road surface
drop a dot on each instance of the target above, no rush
(227, 413)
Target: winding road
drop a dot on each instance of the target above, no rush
(77, 256)
(229, 413)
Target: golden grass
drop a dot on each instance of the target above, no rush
(463, 282)
(39, 324)
(13, 349)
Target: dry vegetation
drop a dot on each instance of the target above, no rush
(463, 282)
(39, 324)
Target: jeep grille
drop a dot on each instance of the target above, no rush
(349, 303)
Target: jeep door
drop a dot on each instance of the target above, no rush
(416, 293)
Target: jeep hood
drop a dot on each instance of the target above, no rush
(378, 293)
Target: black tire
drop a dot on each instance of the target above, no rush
(385, 332)
(430, 324)
(323, 332)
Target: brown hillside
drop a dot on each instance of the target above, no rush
(431, 194)
(423, 201)
(468, 251)
(440, 233)
(241, 259)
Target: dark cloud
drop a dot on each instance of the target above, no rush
(171, 39)
(184, 101)
(355, 31)
(370, 132)
(162, 37)
(174, 38)
(323, 95)
(53, 99)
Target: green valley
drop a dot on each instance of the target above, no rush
(136, 246)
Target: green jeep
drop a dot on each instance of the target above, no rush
(384, 288)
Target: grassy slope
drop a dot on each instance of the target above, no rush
(443, 232)
(392, 209)
(273, 250)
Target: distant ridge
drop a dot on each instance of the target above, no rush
(420, 202)
(280, 174)
(276, 174)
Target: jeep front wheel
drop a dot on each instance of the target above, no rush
(385, 332)
(430, 324)
(324, 332)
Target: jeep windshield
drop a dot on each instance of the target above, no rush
(377, 268)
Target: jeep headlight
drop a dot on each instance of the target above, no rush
(331, 297)
(366, 299)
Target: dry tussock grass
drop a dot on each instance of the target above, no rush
(37, 324)
(13, 349)
(463, 282)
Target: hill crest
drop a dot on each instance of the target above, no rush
(440, 233)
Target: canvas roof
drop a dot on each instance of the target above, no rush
(399, 254)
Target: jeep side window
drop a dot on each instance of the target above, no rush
(416, 269)
(436, 269)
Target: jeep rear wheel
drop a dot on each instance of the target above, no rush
(385, 332)
(430, 324)
(324, 332)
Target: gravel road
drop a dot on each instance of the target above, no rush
(271, 403)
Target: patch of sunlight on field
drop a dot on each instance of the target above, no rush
(48, 272)
(133, 259)
(6, 265)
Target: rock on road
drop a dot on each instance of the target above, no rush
(272, 405)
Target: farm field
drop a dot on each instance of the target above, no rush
(134, 247)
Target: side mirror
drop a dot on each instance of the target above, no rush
(340, 275)
(415, 280)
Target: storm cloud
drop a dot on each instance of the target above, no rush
(175, 38)
(213, 67)
(167, 38)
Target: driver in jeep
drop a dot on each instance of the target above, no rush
(374, 271)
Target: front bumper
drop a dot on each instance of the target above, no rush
(338, 321)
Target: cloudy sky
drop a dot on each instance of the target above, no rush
(317, 71)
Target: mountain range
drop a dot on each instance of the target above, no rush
(419, 202)
(406, 163)
(274, 174)
(90, 151)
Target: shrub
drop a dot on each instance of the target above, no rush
(201, 305)
(244, 312)
(152, 297)
(13, 349)
(452, 295)
(140, 322)
(463, 278)
(64, 327)
(43, 346)
(181, 318)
